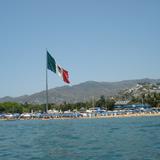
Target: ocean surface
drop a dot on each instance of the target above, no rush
(135, 138)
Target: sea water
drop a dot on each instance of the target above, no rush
(135, 138)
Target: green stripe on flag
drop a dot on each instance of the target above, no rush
(51, 63)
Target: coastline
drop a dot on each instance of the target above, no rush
(93, 117)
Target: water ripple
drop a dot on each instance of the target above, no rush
(92, 139)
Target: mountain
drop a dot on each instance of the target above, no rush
(81, 92)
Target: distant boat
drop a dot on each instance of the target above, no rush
(8, 116)
(25, 115)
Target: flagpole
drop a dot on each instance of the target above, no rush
(46, 84)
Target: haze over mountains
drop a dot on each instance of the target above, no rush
(78, 93)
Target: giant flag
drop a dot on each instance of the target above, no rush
(54, 67)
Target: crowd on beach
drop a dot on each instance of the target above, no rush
(96, 112)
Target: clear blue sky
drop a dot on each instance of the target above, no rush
(100, 40)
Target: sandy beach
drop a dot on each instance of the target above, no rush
(93, 117)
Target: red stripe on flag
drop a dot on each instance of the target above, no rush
(65, 76)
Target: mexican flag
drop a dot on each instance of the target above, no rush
(51, 65)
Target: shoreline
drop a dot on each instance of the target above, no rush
(94, 117)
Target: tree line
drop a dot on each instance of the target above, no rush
(152, 99)
(13, 107)
(105, 103)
